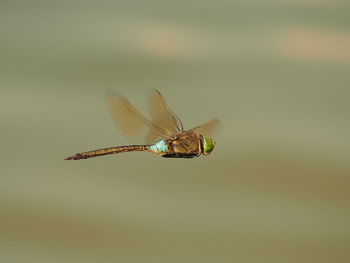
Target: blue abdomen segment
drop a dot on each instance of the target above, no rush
(160, 147)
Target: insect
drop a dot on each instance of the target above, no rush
(163, 134)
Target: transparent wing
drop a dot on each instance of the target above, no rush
(207, 128)
(132, 124)
(162, 116)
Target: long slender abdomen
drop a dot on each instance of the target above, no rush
(111, 150)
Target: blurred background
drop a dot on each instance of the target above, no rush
(275, 189)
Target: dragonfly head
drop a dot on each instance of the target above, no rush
(207, 144)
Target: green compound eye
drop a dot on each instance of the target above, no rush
(208, 144)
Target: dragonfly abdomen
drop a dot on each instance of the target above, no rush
(111, 150)
(159, 147)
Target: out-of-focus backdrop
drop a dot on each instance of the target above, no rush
(277, 186)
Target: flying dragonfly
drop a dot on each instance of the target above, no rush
(162, 134)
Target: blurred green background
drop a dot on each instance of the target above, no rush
(276, 188)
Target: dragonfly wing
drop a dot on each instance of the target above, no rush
(130, 121)
(162, 116)
(207, 128)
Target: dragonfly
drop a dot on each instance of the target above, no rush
(162, 134)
